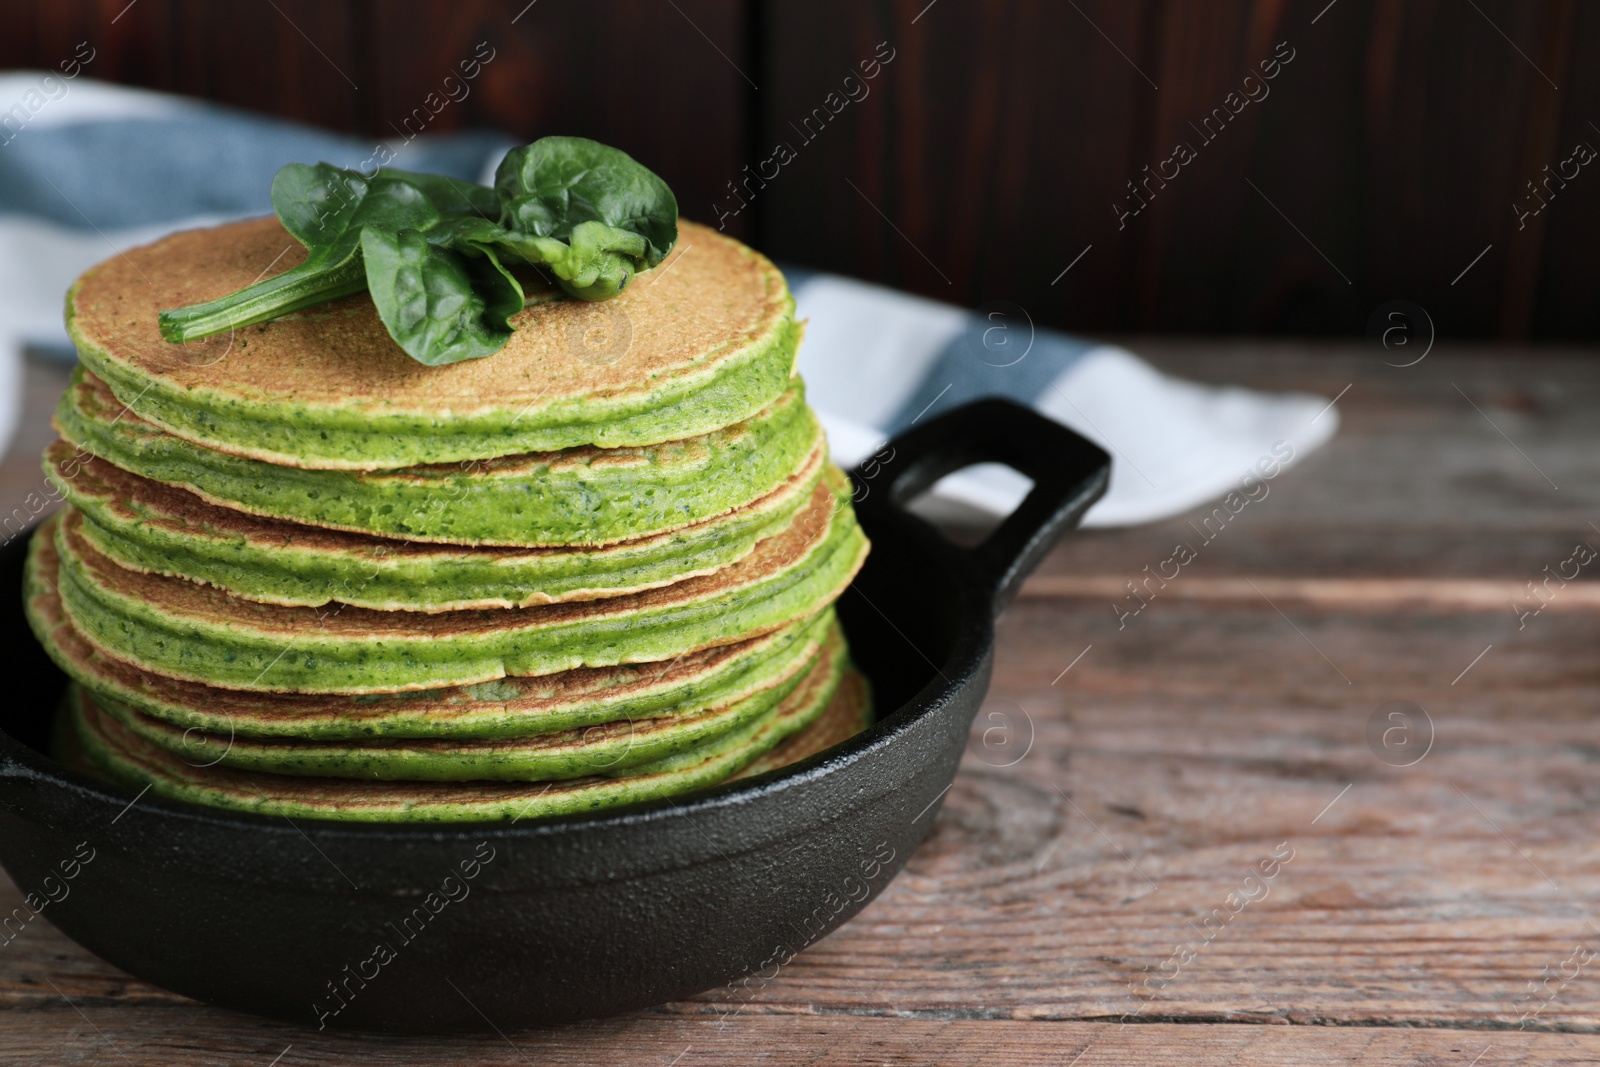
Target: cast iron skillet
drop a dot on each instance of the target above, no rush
(563, 918)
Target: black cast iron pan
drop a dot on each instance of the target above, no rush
(546, 921)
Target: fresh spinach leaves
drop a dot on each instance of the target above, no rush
(613, 216)
(435, 253)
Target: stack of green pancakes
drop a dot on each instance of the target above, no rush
(303, 574)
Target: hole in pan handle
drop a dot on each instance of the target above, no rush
(1069, 473)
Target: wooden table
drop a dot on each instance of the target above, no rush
(1106, 812)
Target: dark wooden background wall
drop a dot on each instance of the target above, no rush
(989, 151)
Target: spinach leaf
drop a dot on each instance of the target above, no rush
(435, 252)
(451, 196)
(614, 216)
(325, 209)
(438, 305)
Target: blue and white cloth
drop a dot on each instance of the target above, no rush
(877, 360)
(88, 169)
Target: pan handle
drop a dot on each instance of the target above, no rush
(1069, 473)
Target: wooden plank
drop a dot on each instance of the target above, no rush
(181, 1037)
(303, 59)
(1540, 150)
(1566, 278)
(1386, 157)
(981, 77)
(1207, 210)
(135, 49)
(1422, 226)
(297, 58)
(1160, 774)
(1372, 594)
(1365, 184)
(664, 82)
(1366, 187)
(1417, 484)
(624, 74)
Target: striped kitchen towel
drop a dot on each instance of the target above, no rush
(88, 169)
(877, 360)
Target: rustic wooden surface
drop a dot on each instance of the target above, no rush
(990, 151)
(364, 68)
(1104, 812)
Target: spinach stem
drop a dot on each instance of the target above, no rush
(299, 287)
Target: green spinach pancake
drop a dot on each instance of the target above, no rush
(583, 496)
(161, 529)
(705, 340)
(425, 501)
(184, 629)
(124, 755)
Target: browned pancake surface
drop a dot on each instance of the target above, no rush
(702, 304)
(848, 714)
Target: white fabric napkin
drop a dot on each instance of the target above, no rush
(877, 360)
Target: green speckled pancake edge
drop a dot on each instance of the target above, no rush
(581, 496)
(603, 749)
(155, 528)
(847, 714)
(117, 753)
(189, 631)
(507, 707)
(646, 398)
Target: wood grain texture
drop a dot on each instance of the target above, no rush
(1123, 780)
(1418, 484)
(1350, 594)
(1002, 139)
(364, 68)
(172, 1036)
(664, 82)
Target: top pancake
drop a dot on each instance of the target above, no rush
(702, 341)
